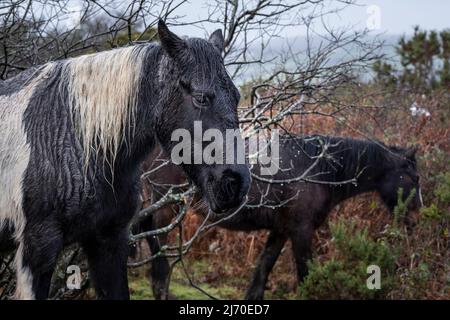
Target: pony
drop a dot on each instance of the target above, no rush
(74, 135)
(292, 208)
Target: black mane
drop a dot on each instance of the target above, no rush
(345, 158)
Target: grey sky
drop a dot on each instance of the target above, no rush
(396, 16)
(399, 16)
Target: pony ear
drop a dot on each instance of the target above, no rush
(171, 43)
(410, 153)
(216, 39)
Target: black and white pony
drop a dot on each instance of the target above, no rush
(73, 135)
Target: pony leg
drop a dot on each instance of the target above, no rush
(35, 260)
(160, 271)
(272, 250)
(107, 258)
(301, 246)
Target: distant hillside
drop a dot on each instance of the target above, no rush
(279, 47)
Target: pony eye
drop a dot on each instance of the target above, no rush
(200, 100)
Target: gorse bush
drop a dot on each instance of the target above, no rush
(443, 191)
(401, 209)
(439, 210)
(423, 257)
(345, 275)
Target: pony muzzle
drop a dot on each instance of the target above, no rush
(226, 188)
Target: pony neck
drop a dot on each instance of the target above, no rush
(368, 170)
(141, 136)
(349, 190)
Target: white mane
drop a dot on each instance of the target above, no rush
(102, 92)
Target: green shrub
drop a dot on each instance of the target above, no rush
(431, 213)
(345, 275)
(401, 209)
(438, 210)
(443, 190)
(423, 259)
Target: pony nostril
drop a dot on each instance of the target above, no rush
(228, 187)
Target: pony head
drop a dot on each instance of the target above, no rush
(401, 175)
(200, 91)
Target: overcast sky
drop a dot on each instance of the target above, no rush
(395, 16)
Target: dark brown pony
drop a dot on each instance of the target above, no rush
(291, 208)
